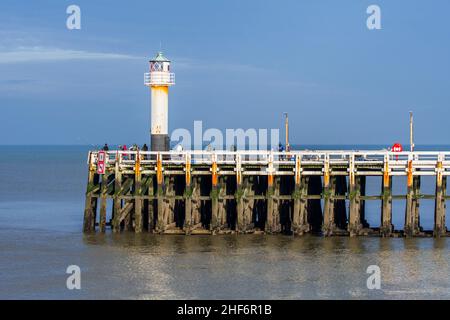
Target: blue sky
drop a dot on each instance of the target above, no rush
(238, 64)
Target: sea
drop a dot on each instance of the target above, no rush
(41, 213)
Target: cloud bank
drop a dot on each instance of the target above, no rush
(45, 54)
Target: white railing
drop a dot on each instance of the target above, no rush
(159, 78)
(261, 157)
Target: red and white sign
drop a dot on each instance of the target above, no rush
(101, 162)
(397, 147)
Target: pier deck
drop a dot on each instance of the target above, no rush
(204, 192)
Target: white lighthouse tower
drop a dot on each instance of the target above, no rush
(159, 79)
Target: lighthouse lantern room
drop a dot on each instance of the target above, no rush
(159, 79)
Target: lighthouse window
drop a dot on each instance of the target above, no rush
(156, 66)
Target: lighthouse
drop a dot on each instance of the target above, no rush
(159, 79)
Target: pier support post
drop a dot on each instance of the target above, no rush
(239, 194)
(440, 206)
(329, 185)
(117, 190)
(386, 205)
(103, 193)
(215, 225)
(362, 202)
(160, 223)
(340, 207)
(168, 205)
(270, 204)
(138, 201)
(90, 205)
(273, 191)
(192, 193)
(412, 202)
(196, 204)
(354, 226)
(249, 202)
(300, 215)
(187, 196)
(150, 207)
(222, 203)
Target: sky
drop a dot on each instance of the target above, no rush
(238, 64)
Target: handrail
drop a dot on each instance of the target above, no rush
(262, 156)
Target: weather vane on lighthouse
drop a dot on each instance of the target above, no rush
(159, 79)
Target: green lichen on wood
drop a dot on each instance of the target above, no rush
(214, 194)
(297, 194)
(188, 192)
(386, 195)
(239, 194)
(91, 187)
(352, 194)
(326, 194)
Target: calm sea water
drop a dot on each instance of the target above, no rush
(41, 212)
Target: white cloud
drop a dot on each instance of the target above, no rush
(45, 54)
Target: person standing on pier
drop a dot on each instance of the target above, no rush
(105, 147)
(145, 148)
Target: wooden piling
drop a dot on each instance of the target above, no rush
(300, 223)
(187, 196)
(214, 225)
(151, 204)
(300, 216)
(117, 200)
(103, 193)
(354, 226)
(238, 196)
(248, 202)
(138, 200)
(386, 206)
(440, 205)
(91, 201)
(329, 188)
(222, 204)
(412, 202)
(160, 223)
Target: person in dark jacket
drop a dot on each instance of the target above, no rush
(145, 148)
(105, 147)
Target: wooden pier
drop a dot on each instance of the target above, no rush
(204, 192)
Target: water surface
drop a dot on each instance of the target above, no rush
(41, 211)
